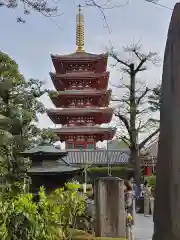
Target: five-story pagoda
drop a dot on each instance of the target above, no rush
(82, 98)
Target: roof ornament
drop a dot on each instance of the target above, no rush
(80, 30)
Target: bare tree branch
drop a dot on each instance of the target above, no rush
(142, 95)
(125, 121)
(126, 140)
(113, 55)
(134, 109)
(102, 7)
(52, 9)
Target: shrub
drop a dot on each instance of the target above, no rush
(50, 218)
(102, 171)
(81, 235)
(105, 169)
(152, 182)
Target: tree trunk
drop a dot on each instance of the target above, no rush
(133, 132)
(136, 166)
(167, 196)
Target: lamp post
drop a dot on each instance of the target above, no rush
(108, 159)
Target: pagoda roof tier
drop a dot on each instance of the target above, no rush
(79, 75)
(80, 61)
(98, 97)
(99, 133)
(62, 81)
(79, 56)
(60, 116)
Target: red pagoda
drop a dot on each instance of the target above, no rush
(81, 97)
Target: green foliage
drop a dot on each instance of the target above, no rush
(53, 93)
(19, 106)
(81, 235)
(46, 136)
(152, 182)
(122, 171)
(105, 169)
(50, 218)
(154, 101)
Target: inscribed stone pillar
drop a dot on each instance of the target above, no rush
(110, 207)
(134, 210)
(167, 196)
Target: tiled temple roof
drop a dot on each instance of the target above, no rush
(85, 92)
(80, 74)
(84, 129)
(102, 157)
(80, 55)
(101, 114)
(53, 169)
(73, 111)
(152, 149)
(44, 150)
(97, 157)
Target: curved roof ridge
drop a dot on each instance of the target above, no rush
(80, 55)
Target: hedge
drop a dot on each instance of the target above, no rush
(105, 169)
(81, 235)
(116, 171)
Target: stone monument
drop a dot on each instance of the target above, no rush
(110, 207)
(167, 196)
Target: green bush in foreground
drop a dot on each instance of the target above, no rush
(105, 169)
(81, 235)
(152, 182)
(50, 218)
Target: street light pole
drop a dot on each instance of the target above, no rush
(108, 159)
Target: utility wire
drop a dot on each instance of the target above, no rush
(158, 4)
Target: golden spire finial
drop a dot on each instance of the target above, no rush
(80, 30)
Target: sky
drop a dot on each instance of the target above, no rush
(31, 44)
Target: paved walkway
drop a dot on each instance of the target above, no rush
(143, 227)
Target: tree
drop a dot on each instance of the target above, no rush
(42, 7)
(19, 106)
(45, 136)
(21, 217)
(132, 110)
(52, 10)
(154, 102)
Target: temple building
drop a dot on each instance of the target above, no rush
(48, 168)
(81, 97)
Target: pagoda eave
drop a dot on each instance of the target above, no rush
(80, 61)
(79, 56)
(79, 75)
(62, 81)
(89, 92)
(60, 116)
(98, 133)
(100, 98)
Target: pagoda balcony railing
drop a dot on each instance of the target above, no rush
(83, 106)
(79, 124)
